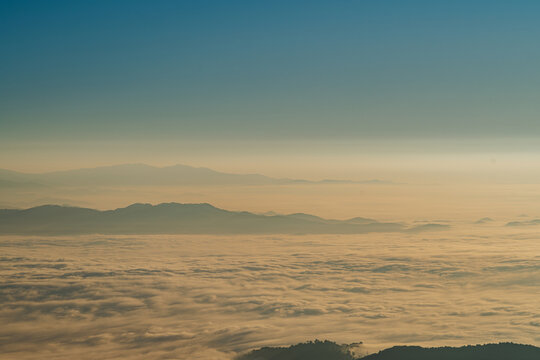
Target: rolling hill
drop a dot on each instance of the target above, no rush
(176, 218)
(327, 350)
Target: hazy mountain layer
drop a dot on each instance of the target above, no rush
(145, 175)
(175, 218)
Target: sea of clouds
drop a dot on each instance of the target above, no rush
(213, 297)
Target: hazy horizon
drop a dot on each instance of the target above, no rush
(502, 189)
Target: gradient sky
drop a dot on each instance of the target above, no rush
(226, 70)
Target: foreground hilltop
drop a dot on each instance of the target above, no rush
(327, 350)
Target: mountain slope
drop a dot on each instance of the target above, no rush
(327, 350)
(502, 351)
(145, 175)
(174, 218)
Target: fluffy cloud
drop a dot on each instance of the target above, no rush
(215, 297)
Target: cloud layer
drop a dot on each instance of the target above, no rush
(214, 297)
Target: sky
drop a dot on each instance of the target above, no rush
(107, 77)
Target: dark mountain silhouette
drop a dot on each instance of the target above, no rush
(532, 222)
(175, 218)
(429, 227)
(313, 350)
(327, 350)
(502, 351)
(145, 175)
(484, 220)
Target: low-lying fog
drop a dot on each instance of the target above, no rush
(164, 297)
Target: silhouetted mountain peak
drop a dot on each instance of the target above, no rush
(328, 350)
(174, 218)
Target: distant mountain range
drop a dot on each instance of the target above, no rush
(327, 350)
(145, 175)
(175, 218)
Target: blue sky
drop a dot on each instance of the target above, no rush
(277, 69)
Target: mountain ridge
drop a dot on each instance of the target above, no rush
(178, 218)
(329, 350)
(143, 174)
